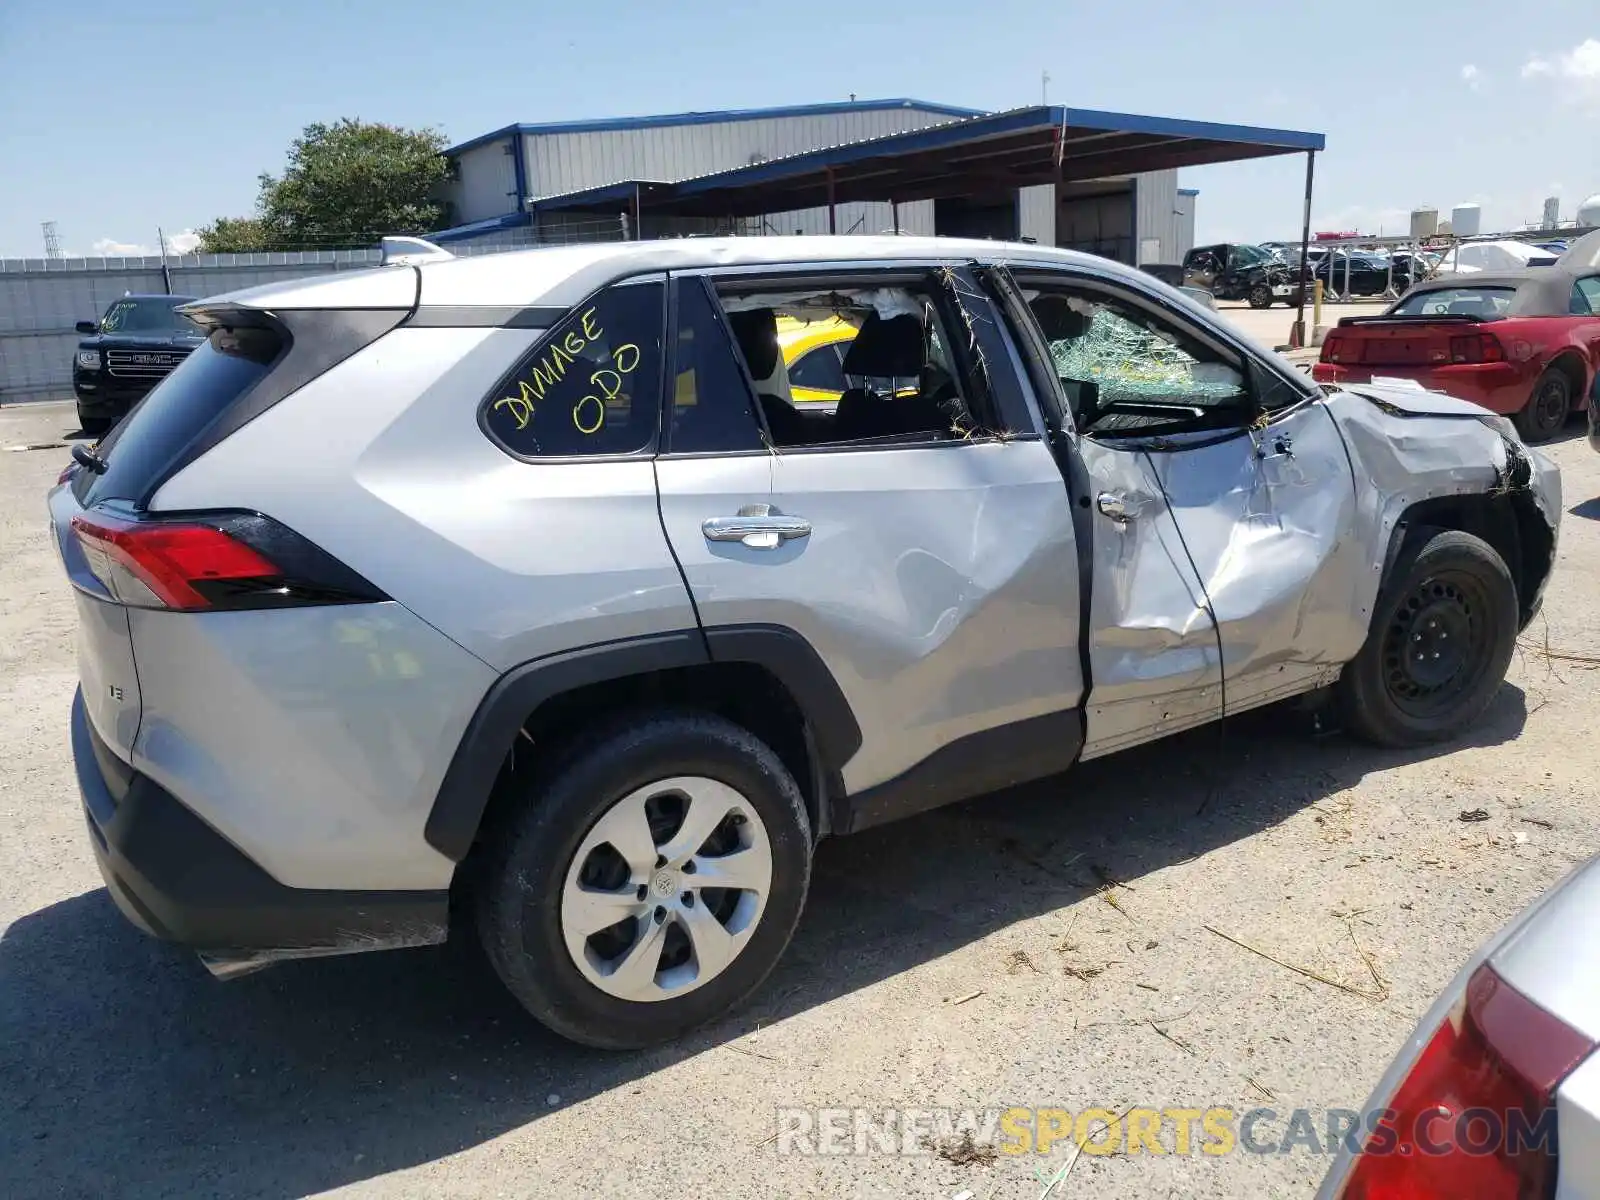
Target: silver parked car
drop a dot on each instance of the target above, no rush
(522, 580)
(1497, 1093)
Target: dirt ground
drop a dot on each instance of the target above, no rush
(1078, 943)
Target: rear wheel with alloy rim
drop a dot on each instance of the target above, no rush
(1439, 645)
(650, 882)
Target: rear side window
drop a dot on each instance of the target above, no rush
(164, 424)
(712, 410)
(1586, 296)
(592, 385)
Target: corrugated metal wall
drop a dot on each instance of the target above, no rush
(1157, 216)
(1185, 225)
(568, 162)
(916, 217)
(487, 186)
(1036, 213)
(41, 301)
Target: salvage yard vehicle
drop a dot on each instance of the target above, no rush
(1523, 343)
(1362, 273)
(134, 346)
(1497, 1092)
(567, 616)
(1235, 272)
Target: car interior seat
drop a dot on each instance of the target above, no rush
(884, 349)
(756, 331)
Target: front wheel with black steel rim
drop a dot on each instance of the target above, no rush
(1260, 295)
(649, 880)
(1441, 639)
(1549, 404)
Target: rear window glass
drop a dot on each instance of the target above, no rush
(1459, 301)
(179, 408)
(818, 369)
(592, 385)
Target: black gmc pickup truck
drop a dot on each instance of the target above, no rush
(129, 350)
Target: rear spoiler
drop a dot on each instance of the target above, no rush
(1420, 319)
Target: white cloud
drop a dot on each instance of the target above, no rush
(1575, 72)
(1471, 76)
(186, 242)
(112, 248)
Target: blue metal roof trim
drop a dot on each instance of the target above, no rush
(474, 228)
(1188, 191)
(621, 190)
(1088, 118)
(711, 118)
(896, 143)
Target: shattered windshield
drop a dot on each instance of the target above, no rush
(1127, 361)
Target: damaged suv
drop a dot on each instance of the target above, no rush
(521, 583)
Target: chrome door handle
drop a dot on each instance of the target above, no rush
(1118, 508)
(758, 526)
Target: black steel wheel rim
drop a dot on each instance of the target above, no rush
(1436, 647)
(1550, 405)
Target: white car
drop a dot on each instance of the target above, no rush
(1468, 257)
(1497, 1092)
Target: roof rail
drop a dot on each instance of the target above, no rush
(407, 251)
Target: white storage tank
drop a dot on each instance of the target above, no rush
(1466, 220)
(1424, 222)
(1589, 211)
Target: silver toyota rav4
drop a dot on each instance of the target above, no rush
(538, 583)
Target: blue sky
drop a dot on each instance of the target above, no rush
(120, 117)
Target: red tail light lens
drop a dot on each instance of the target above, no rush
(1476, 1114)
(168, 565)
(1477, 348)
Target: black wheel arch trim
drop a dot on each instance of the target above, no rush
(464, 793)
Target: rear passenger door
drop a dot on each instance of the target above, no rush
(931, 564)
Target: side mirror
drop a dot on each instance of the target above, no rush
(88, 327)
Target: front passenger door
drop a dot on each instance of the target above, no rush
(1186, 426)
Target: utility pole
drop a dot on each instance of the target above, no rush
(166, 275)
(1044, 88)
(52, 241)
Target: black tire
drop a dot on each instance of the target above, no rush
(1259, 295)
(1548, 407)
(519, 886)
(1443, 583)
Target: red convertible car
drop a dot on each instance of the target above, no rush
(1522, 343)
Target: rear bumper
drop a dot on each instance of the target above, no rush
(176, 878)
(1499, 387)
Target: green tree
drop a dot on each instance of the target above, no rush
(346, 184)
(234, 235)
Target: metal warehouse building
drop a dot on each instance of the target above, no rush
(1106, 183)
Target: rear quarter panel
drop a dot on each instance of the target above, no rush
(381, 463)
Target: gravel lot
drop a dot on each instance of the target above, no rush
(973, 957)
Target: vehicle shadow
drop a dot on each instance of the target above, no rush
(129, 1071)
(1588, 509)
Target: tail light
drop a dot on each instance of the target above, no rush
(1338, 348)
(225, 561)
(1477, 348)
(1475, 1115)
